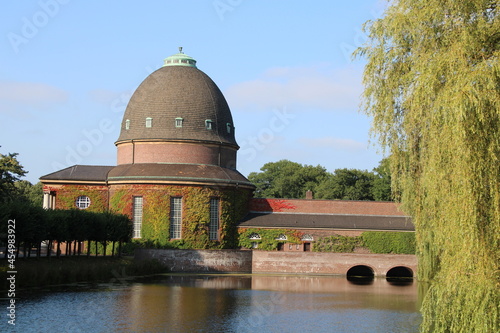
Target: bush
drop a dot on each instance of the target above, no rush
(337, 243)
(389, 242)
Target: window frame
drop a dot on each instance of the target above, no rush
(83, 200)
(137, 214)
(179, 122)
(214, 224)
(175, 229)
(209, 124)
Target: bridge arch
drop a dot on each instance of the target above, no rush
(360, 274)
(399, 275)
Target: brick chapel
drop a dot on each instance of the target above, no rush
(176, 175)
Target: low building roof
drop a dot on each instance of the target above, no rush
(326, 221)
(85, 173)
(176, 173)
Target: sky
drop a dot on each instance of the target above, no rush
(68, 69)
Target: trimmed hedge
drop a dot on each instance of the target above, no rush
(389, 242)
(337, 243)
(33, 225)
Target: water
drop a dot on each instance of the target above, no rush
(223, 303)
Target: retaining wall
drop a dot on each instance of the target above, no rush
(275, 262)
(200, 260)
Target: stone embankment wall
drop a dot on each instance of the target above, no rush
(200, 260)
(275, 262)
(328, 263)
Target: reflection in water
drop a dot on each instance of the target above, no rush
(226, 303)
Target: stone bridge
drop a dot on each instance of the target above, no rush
(246, 261)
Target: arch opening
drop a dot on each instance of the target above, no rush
(399, 275)
(360, 274)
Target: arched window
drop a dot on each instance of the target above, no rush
(254, 236)
(307, 237)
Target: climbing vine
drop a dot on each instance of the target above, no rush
(337, 243)
(267, 239)
(195, 214)
(67, 195)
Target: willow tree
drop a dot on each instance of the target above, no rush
(432, 87)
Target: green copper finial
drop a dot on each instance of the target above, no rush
(179, 59)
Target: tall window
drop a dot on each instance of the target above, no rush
(213, 227)
(175, 217)
(127, 124)
(149, 122)
(137, 207)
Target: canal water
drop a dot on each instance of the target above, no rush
(223, 303)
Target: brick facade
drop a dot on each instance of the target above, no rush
(326, 207)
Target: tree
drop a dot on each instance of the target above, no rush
(432, 86)
(286, 179)
(381, 190)
(25, 191)
(347, 184)
(10, 172)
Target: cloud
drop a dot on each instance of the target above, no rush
(316, 87)
(16, 96)
(333, 143)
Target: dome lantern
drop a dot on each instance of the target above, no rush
(179, 59)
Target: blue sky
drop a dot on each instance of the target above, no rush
(68, 68)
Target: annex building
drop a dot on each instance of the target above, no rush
(176, 176)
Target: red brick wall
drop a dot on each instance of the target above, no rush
(326, 206)
(171, 152)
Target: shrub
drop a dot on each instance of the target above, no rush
(337, 243)
(389, 242)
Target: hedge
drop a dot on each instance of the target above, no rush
(389, 242)
(33, 225)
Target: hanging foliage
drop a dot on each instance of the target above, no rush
(432, 86)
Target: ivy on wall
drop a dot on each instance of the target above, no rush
(375, 241)
(195, 213)
(337, 243)
(269, 238)
(66, 196)
(389, 242)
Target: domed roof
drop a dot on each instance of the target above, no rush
(178, 102)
